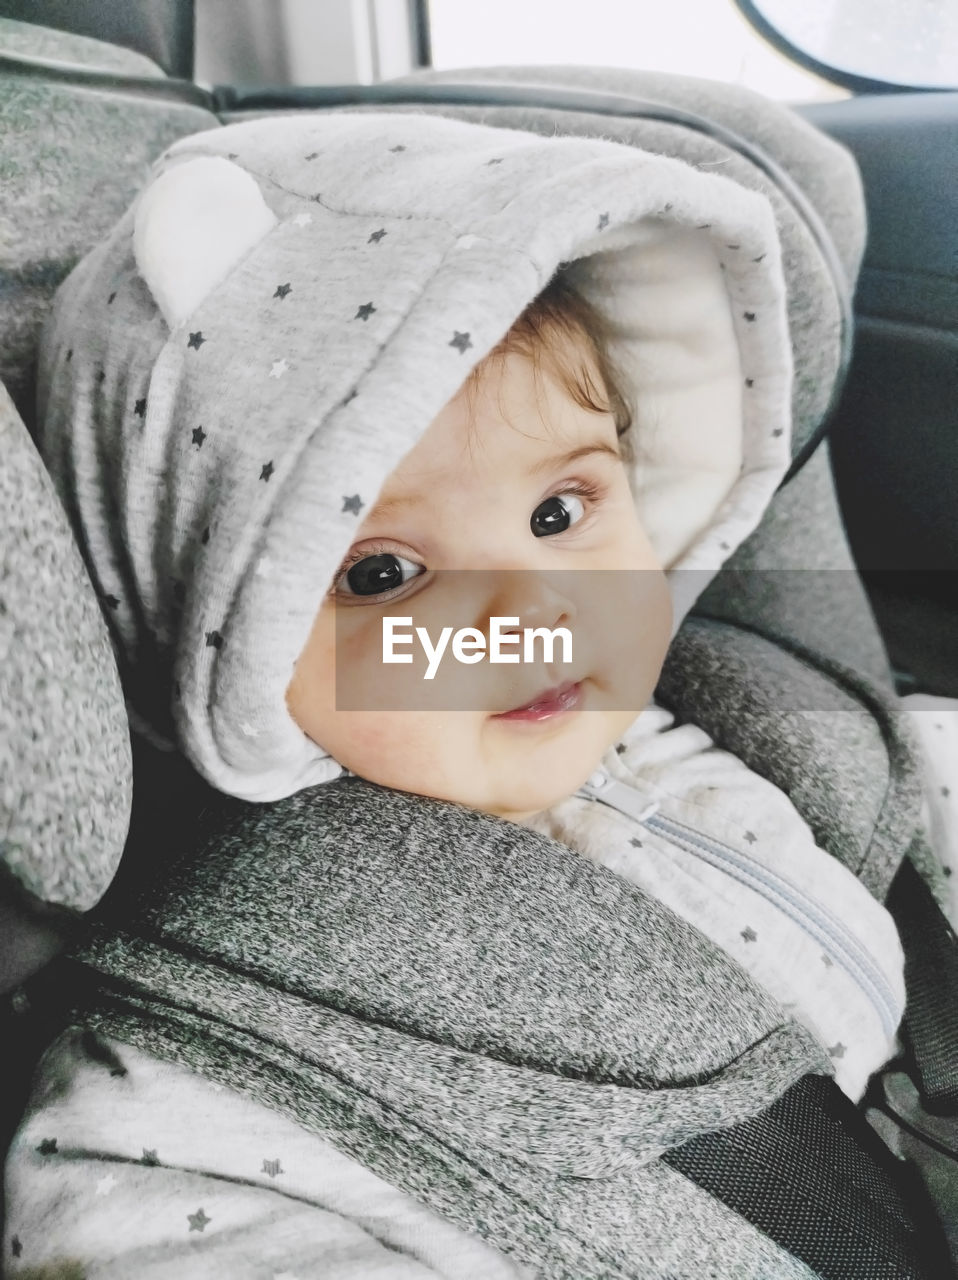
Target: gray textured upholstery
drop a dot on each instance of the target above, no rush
(72, 161)
(65, 770)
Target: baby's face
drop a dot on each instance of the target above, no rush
(490, 486)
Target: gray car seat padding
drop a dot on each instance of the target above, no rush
(65, 768)
(74, 153)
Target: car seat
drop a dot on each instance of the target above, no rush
(786, 622)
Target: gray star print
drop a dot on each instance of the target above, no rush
(751, 837)
(749, 934)
(460, 341)
(603, 221)
(837, 1050)
(827, 961)
(635, 842)
(272, 1167)
(267, 471)
(199, 435)
(352, 504)
(376, 236)
(198, 1220)
(365, 311)
(196, 340)
(149, 1156)
(282, 290)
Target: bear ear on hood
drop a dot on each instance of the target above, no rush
(192, 226)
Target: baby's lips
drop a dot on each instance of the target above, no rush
(555, 693)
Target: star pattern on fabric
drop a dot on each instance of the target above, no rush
(198, 1221)
(69, 355)
(946, 792)
(946, 871)
(837, 1050)
(751, 837)
(267, 470)
(149, 1156)
(377, 236)
(101, 376)
(352, 504)
(16, 1246)
(750, 382)
(603, 221)
(778, 431)
(399, 148)
(106, 1185)
(749, 315)
(214, 640)
(139, 408)
(749, 934)
(733, 246)
(312, 155)
(199, 435)
(494, 160)
(302, 220)
(282, 290)
(196, 340)
(620, 749)
(365, 311)
(460, 341)
(827, 961)
(47, 1147)
(635, 842)
(278, 368)
(272, 1167)
(206, 536)
(110, 298)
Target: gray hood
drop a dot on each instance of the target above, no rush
(228, 380)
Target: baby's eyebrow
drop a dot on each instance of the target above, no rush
(581, 451)
(389, 505)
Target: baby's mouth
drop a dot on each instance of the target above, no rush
(548, 703)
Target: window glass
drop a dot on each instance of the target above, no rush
(705, 38)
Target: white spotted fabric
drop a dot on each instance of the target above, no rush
(215, 472)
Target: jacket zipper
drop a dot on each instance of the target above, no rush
(840, 944)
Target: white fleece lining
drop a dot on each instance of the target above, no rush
(676, 346)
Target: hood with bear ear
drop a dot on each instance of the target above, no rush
(227, 381)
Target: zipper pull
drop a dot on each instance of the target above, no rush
(617, 795)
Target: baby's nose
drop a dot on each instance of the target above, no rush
(536, 598)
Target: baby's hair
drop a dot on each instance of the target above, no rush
(561, 312)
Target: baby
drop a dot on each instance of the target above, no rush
(279, 415)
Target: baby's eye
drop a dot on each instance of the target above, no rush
(372, 575)
(556, 514)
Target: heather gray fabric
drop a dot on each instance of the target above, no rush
(26, 39)
(65, 770)
(72, 160)
(486, 1020)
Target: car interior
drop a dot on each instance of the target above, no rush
(95, 90)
